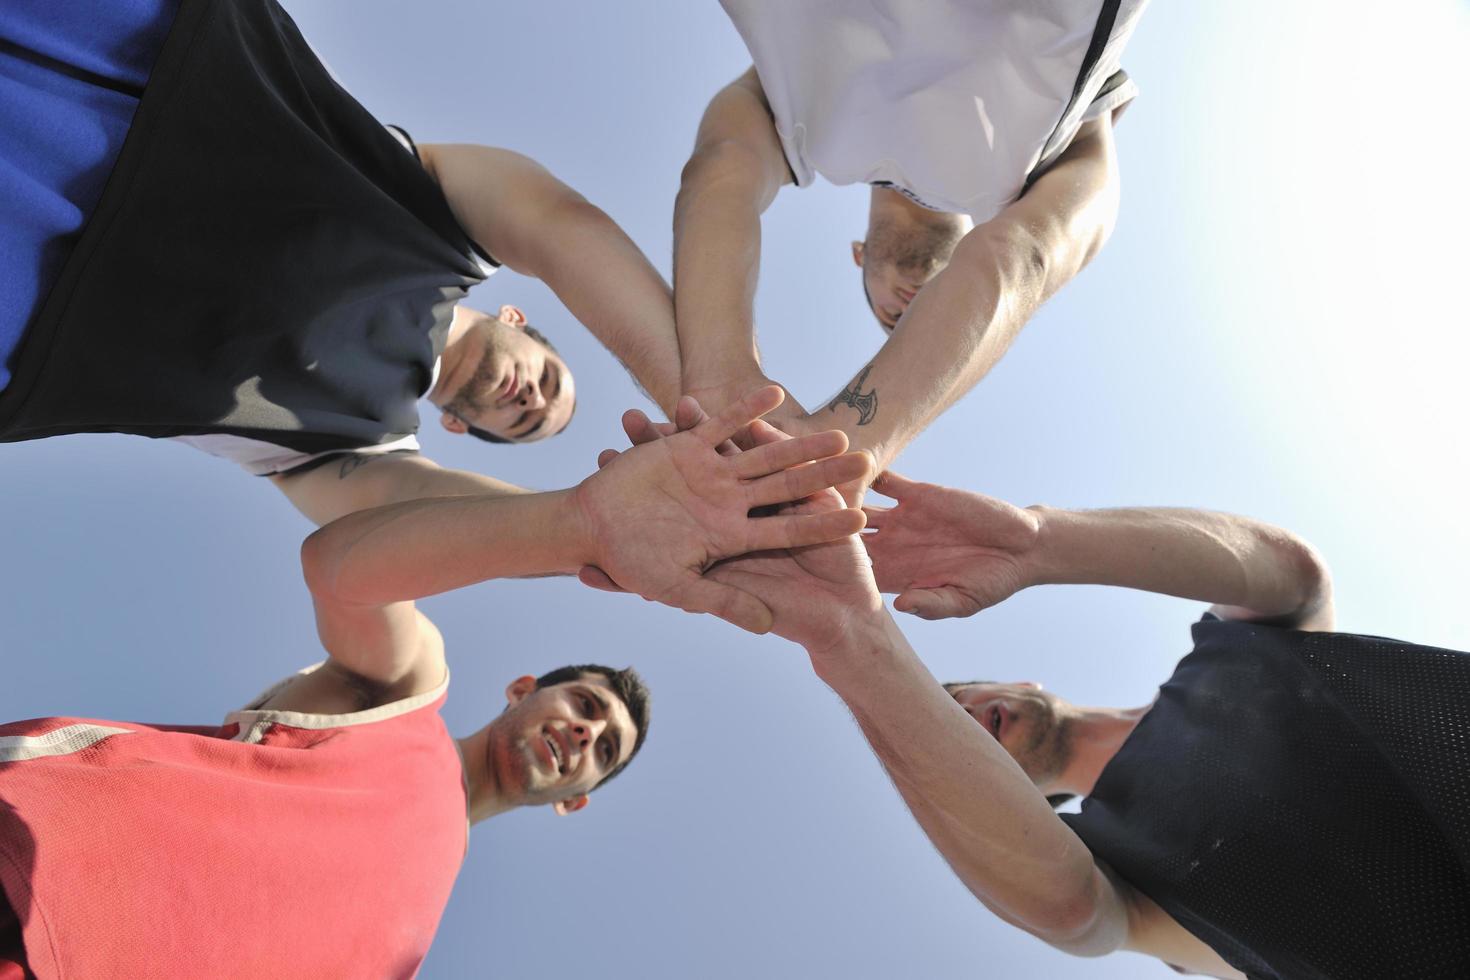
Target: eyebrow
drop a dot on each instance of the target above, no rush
(556, 374)
(613, 733)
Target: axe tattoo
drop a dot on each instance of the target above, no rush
(852, 396)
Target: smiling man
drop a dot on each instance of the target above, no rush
(207, 238)
(984, 131)
(322, 826)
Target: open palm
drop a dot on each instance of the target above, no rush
(663, 512)
(947, 552)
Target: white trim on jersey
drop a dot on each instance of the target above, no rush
(60, 741)
(254, 721)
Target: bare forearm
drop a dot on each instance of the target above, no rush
(1259, 570)
(964, 320)
(609, 285)
(975, 804)
(424, 547)
(957, 328)
(717, 242)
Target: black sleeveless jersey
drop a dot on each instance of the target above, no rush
(1301, 803)
(266, 260)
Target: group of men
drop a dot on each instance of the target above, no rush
(292, 323)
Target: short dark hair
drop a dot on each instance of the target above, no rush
(629, 688)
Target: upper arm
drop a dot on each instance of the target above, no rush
(1066, 216)
(737, 141)
(391, 647)
(357, 481)
(1296, 571)
(505, 200)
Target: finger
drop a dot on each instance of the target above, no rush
(733, 605)
(641, 429)
(779, 454)
(877, 516)
(607, 456)
(800, 481)
(741, 413)
(591, 575)
(688, 413)
(935, 604)
(800, 530)
(763, 433)
(891, 484)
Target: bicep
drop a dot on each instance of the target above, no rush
(359, 481)
(393, 647)
(1068, 213)
(737, 137)
(502, 198)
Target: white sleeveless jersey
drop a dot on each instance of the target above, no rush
(957, 103)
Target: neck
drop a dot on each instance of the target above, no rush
(460, 358)
(888, 205)
(1094, 736)
(481, 785)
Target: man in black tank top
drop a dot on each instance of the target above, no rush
(271, 275)
(1295, 804)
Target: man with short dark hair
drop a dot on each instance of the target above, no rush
(208, 238)
(1291, 805)
(984, 131)
(322, 826)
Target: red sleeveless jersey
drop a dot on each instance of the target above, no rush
(280, 844)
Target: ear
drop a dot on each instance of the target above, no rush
(572, 805)
(453, 424)
(857, 254)
(516, 690)
(512, 315)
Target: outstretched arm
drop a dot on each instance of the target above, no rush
(533, 223)
(653, 520)
(989, 822)
(952, 553)
(964, 319)
(731, 178)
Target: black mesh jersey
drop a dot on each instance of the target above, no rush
(266, 260)
(1301, 803)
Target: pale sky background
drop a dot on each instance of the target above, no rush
(1276, 329)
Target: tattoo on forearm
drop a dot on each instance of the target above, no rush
(866, 402)
(353, 462)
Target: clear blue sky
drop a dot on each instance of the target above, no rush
(1276, 328)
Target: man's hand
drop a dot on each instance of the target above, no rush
(948, 552)
(715, 397)
(819, 594)
(660, 514)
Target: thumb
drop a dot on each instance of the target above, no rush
(734, 606)
(606, 456)
(594, 577)
(941, 603)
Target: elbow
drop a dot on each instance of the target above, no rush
(1311, 577)
(723, 163)
(318, 563)
(1080, 920)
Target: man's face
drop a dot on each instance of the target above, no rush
(554, 744)
(521, 390)
(1029, 724)
(889, 289)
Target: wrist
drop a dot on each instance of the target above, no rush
(866, 637)
(577, 522)
(1048, 562)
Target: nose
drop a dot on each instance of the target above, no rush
(585, 733)
(531, 396)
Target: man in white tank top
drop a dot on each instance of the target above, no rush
(984, 130)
